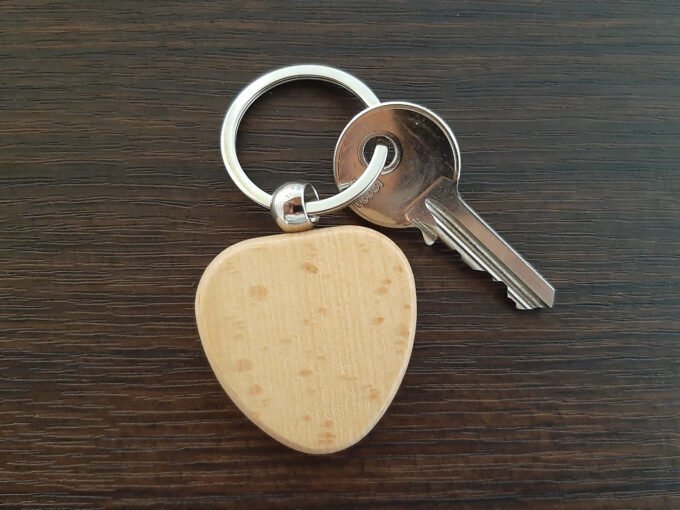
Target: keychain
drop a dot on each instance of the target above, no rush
(309, 332)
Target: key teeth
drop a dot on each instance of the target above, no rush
(457, 235)
(519, 304)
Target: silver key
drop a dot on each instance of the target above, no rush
(419, 187)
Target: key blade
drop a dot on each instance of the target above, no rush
(480, 246)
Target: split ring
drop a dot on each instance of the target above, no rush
(264, 84)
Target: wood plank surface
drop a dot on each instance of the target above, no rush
(113, 199)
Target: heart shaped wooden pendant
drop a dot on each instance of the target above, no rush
(310, 333)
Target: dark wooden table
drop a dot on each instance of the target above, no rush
(113, 199)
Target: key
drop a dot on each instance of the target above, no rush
(419, 187)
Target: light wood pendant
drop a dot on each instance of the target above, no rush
(310, 333)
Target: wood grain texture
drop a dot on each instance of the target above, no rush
(310, 333)
(113, 200)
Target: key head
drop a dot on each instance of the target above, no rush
(425, 150)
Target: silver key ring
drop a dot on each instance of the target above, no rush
(264, 84)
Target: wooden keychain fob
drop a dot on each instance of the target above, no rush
(308, 332)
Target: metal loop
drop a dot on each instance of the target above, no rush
(267, 82)
(289, 208)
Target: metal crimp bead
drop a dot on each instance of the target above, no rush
(288, 206)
